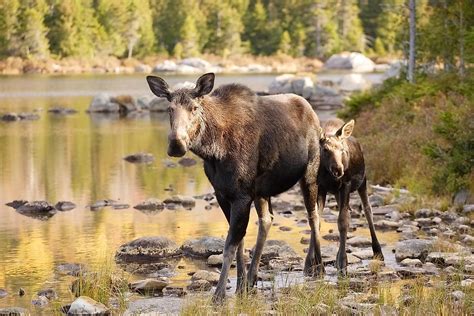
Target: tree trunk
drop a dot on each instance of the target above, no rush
(411, 56)
(462, 66)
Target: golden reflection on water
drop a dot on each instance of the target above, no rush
(79, 158)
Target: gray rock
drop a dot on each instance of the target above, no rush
(40, 301)
(155, 306)
(359, 241)
(50, 294)
(203, 247)
(462, 197)
(423, 213)
(198, 63)
(10, 117)
(149, 286)
(354, 82)
(376, 200)
(151, 204)
(3, 293)
(140, 158)
(277, 249)
(200, 285)
(166, 66)
(120, 206)
(102, 103)
(14, 311)
(355, 62)
(102, 203)
(413, 248)
(28, 116)
(363, 254)
(36, 206)
(209, 276)
(384, 210)
(126, 103)
(159, 105)
(147, 249)
(73, 269)
(64, 206)
(468, 209)
(185, 201)
(16, 203)
(334, 236)
(458, 295)
(411, 262)
(215, 260)
(142, 68)
(385, 224)
(86, 306)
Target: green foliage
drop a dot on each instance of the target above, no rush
(418, 135)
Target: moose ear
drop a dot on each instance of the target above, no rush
(204, 84)
(346, 130)
(159, 87)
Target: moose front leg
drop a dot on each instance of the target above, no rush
(265, 218)
(239, 219)
(313, 263)
(343, 226)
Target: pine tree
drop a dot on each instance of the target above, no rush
(8, 25)
(389, 25)
(189, 37)
(349, 26)
(285, 43)
(30, 37)
(111, 15)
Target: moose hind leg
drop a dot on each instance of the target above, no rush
(239, 219)
(313, 263)
(368, 215)
(265, 218)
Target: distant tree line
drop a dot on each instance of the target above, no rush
(181, 28)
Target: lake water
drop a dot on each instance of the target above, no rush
(79, 158)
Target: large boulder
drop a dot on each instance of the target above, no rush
(203, 247)
(147, 249)
(195, 62)
(353, 82)
(102, 103)
(355, 62)
(288, 83)
(413, 249)
(166, 66)
(149, 286)
(86, 306)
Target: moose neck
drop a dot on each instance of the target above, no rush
(209, 141)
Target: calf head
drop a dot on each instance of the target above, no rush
(335, 151)
(185, 111)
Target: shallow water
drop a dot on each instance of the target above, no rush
(79, 158)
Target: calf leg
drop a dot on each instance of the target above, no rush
(265, 218)
(368, 215)
(239, 219)
(343, 226)
(313, 263)
(226, 208)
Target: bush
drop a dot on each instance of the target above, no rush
(419, 136)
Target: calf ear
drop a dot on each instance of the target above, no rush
(159, 87)
(346, 130)
(204, 85)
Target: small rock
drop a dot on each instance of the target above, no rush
(359, 241)
(384, 210)
(16, 203)
(149, 286)
(86, 306)
(14, 311)
(21, 291)
(385, 224)
(120, 206)
(203, 247)
(363, 254)
(147, 249)
(150, 205)
(3, 293)
(216, 261)
(185, 201)
(411, 262)
(199, 285)
(10, 117)
(187, 162)
(50, 294)
(376, 200)
(40, 301)
(102, 203)
(274, 249)
(468, 209)
(305, 240)
(285, 228)
(467, 283)
(458, 295)
(174, 291)
(140, 158)
(211, 277)
(35, 206)
(413, 248)
(61, 110)
(64, 206)
(29, 116)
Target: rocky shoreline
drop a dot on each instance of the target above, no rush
(431, 243)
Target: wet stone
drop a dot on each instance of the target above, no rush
(185, 201)
(334, 236)
(147, 249)
(73, 269)
(363, 254)
(385, 224)
(209, 276)
(16, 203)
(3, 293)
(149, 286)
(50, 294)
(285, 228)
(102, 203)
(203, 247)
(305, 240)
(383, 210)
(35, 206)
(175, 291)
(411, 262)
(64, 206)
(59, 110)
(199, 285)
(14, 311)
(150, 205)
(274, 249)
(140, 158)
(376, 200)
(86, 306)
(40, 301)
(120, 206)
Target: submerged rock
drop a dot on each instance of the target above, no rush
(40, 301)
(73, 269)
(147, 249)
(14, 311)
(102, 203)
(413, 249)
(50, 294)
(10, 117)
(59, 110)
(140, 158)
(64, 206)
(41, 210)
(16, 203)
(86, 306)
(185, 201)
(203, 247)
(151, 204)
(102, 103)
(187, 162)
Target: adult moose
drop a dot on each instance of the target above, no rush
(253, 147)
(342, 171)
